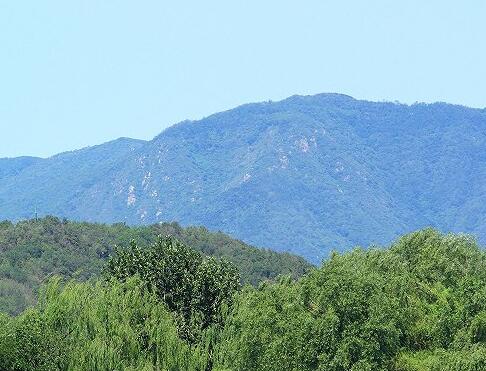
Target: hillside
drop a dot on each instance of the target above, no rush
(306, 175)
(32, 251)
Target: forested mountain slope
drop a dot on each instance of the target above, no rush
(32, 251)
(307, 174)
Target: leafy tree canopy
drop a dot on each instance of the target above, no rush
(418, 305)
(194, 288)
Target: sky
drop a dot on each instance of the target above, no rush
(78, 73)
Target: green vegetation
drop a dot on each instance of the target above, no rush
(32, 251)
(419, 305)
(105, 326)
(194, 288)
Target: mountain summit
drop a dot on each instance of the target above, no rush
(307, 174)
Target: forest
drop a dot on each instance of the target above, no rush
(33, 250)
(419, 304)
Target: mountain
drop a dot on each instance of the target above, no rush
(307, 174)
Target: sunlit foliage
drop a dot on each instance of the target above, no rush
(419, 305)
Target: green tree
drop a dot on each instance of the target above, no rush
(195, 288)
(104, 326)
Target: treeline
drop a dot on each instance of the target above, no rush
(32, 251)
(418, 305)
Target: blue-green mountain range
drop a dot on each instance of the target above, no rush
(308, 174)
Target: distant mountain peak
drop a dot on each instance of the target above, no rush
(306, 174)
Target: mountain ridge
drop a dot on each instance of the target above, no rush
(307, 174)
(290, 98)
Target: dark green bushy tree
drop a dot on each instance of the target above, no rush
(195, 288)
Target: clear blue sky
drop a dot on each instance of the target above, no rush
(77, 73)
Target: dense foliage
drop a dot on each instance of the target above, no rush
(194, 288)
(32, 251)
(419, 305)
(107, 326)
(299, 175)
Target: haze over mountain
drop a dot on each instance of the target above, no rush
(307, 174)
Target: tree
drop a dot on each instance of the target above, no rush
(196, 289)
